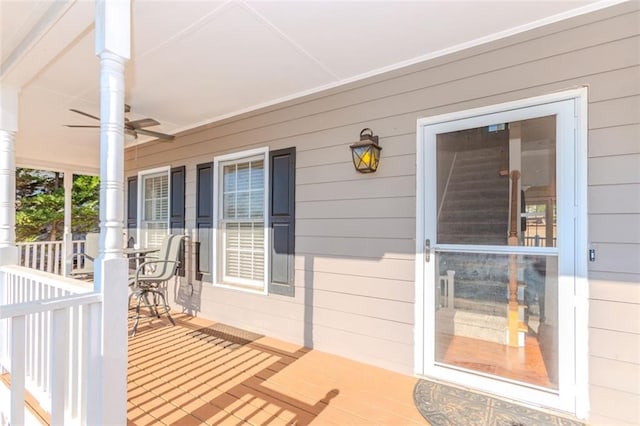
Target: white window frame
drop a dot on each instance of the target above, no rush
(217, 267)
(141, 176)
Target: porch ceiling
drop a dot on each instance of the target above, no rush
(195, 62)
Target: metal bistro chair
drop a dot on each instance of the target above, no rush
(151, 277)
(84, 260)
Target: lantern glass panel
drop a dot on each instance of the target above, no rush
(366, 156)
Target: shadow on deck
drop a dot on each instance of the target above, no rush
(200, 372)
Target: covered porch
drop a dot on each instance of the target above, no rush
(225, 79)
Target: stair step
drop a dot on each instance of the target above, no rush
(498, 309)
(488, 326)
(490, 240)
(478, 237)
(476, 167)
(494, 151)
(478, 204)
(471, 220)
(474, 194)
(477, 185)
(463, 214)
(490, 175)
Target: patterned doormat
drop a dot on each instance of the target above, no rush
(444, 405)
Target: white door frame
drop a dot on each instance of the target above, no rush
(573, 395)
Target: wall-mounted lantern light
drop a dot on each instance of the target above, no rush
(366, 153)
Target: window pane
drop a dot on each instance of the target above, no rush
(229, 206)
(243, 180)
(231, 262)
(475, 171)
(155, 233)
(232, 237)
(243, 200)
(257, 204)
(229, 178)
(162, 209)
(156, 197)
(258, 271)
(244, 251)
(503, 306)
(258, 234)
(257, 174)
(246, 266)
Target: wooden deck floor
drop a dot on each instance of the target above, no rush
(199, 372)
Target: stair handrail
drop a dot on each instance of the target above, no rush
(513, 309)
(513, 220)
(446, 186)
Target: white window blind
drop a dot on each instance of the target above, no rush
(155, 214)
(242, 222)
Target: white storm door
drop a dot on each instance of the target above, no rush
(499, 267)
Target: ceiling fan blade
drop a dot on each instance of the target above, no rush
(85, 114)
(82, 126)
(145, 122)
(131, 132)
(155, 134)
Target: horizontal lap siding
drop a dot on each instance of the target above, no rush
(614, 232)
(354, 266)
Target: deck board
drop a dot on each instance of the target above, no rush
(193, 374)
(32, 405)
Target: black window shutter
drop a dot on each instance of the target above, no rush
(177, 185)
(204, 219)
(132, 207)
(282, 166)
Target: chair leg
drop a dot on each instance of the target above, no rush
(136, 317)
(166, 307)
(155, 304)
(153, 307)
(129, 300)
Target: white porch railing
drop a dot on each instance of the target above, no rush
(48, 256)
(44, 342)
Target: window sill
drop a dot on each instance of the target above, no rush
(241, 287)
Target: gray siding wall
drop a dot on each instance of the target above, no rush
(355, 233)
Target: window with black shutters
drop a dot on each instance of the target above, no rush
(254, 220)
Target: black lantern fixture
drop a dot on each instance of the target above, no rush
(366, 153)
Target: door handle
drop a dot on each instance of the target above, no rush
(427, 250)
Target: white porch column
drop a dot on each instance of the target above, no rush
(67, 249)
(108, 406)
(8, 129)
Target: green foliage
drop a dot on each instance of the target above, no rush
(85, 200)
(40, 205)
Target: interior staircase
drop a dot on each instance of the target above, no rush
(475, 206)
(475, 210)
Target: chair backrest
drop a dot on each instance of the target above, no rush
(84, 261)
(92, 244)
(170, 254)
